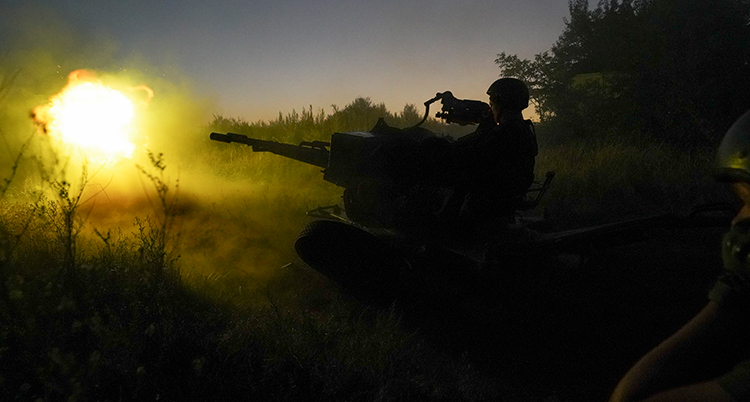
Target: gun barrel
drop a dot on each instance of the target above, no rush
(313, 153)
(232, 137)
(220, 137)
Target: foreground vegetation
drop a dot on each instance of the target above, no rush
(120, 315)
(112, 317)
(124, 327)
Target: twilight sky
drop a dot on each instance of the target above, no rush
(257, 58)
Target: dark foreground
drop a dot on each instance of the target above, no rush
(555, 328)
(123, 325)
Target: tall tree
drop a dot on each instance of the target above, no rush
(671, 69)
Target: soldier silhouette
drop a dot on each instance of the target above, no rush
(495, 164)
(464, 189)
(708, 359)
(481, 176)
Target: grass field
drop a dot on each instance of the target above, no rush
(194, 293)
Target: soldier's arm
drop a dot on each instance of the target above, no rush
(661, 374)
(701, 392)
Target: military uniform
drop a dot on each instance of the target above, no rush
(499, 159)
(495, 166)
(470, 186)
(732, 293)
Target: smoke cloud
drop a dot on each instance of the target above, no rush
(224, 224)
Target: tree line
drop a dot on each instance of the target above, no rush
(673, 70)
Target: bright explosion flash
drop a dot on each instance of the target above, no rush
(92, 116)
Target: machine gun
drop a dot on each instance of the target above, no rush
(350, 158)
(381, 171)
(313, 152)
(383, 166)
(383, 154)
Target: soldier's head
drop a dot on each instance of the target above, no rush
(508, 94)
(733, 166)
(733, 162)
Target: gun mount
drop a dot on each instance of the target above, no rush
(350, 158)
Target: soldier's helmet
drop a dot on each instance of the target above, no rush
(509, 93)
(733, 156)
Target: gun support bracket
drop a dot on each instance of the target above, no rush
(322, 145)
(327, 212)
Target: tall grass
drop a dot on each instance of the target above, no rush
(611, 178)
(203, 299)
(121, 320)
(126, 329)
